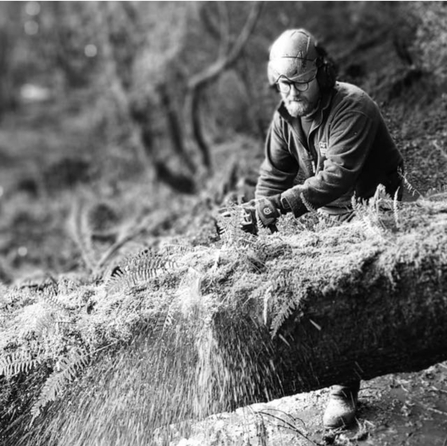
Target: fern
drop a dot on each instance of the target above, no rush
(82, 233)
(3, 305)
(229, 224)
(45, 323)
(170, 316)
(379, 212)
(52, 313)
(396, 208)
(50, 298)
(138, 271)
(17, 362)
(175, 248)
(288, 307)
(66, 371)
(368, 215)
(281, 280)
(407, 184)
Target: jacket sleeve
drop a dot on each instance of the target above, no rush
(351, 135)
(279, 168)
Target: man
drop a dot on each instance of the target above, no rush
(332, 137)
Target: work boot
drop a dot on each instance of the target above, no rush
(342, 406)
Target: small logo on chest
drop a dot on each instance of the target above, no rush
(322, 145)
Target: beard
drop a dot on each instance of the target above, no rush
(299, 107)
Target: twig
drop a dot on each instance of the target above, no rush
(438, 390)
(441, 149)
(287, 424)
(440, 412)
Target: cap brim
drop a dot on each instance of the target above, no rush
(294, 69)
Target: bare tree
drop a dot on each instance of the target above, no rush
(122, 46)
(228, 55)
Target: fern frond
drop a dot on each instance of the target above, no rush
(173, 249)
(407, 184)
(37, 318)
(17, 362)
(51, 299)
(281, 280)
(151, 256)
(229, 224)
(159, 325)
(138, 271)
(82, 233)
(66, 371)
(288, 307)
(164, 320)
(170, 316)
(396, 208)
(44, 323)
(368, 214)
(4, 302)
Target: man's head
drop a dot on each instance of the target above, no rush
(297, 69)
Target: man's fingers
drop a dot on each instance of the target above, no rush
(247, 218)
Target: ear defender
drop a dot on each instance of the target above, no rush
(327, 73)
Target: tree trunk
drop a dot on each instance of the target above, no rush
(174, 127)
(197, 127)
(385, 313)
(376, 330)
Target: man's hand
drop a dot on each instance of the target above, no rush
(264, 210)
(268, 209)
(244, 214)
(249, 219)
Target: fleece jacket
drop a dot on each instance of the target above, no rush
(348, 151)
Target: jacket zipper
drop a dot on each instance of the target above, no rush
(310, 149)
(313, 152)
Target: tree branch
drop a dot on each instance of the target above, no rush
(198, 82)
(222, 63)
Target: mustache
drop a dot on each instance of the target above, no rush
(296, 99)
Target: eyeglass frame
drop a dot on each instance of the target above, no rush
(289, 83)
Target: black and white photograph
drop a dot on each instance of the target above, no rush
(223, 223)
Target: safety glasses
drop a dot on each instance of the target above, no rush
(285, 86)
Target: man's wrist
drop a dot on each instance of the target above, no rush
(285, 206)
(294, 198)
